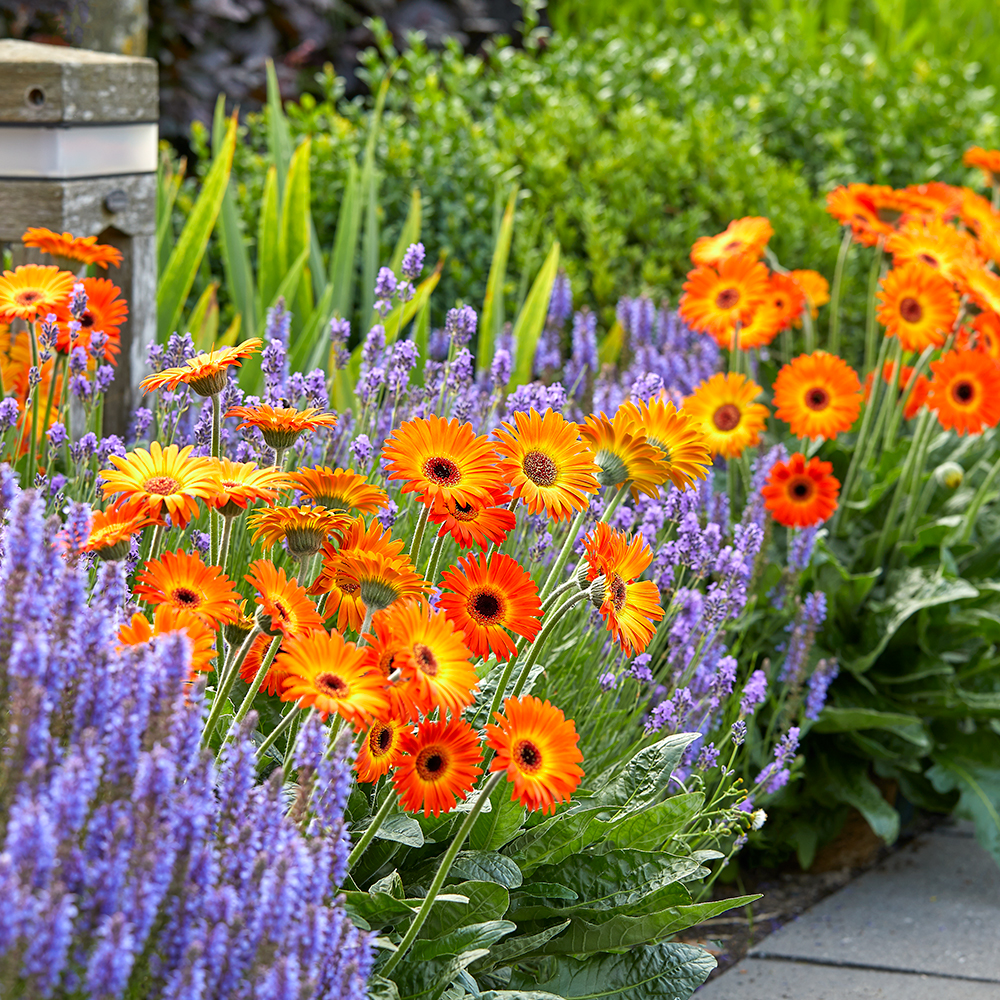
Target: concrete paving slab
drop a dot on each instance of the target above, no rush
(760, 979)
(932, 907)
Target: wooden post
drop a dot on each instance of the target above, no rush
(78, 148)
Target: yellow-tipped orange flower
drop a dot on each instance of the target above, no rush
(872, 211)
(111, 530)
(332, 676)
(934, 244)
(715, 301)
(546, 464)
(33, 290)
(381, 749)
(166, 480)
(439, 767)
(473, 523)
(988, 160)
(169, 619)
(183, 580)
(339, 489)
(205, 373)
(814, 287)
(304, 529)
(539, 749)
(85, 249)
(623, 454)
(243, 483)
(748, 236)
(723, 408)
(281, 426)
(817, 395)
(800, 494)
(284, 602)
(965, 391)
(685, 449)
(918, 305)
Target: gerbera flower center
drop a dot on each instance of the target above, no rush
(161, 485)
(431, 764)
(442, 471)
(616, 590)
(426, 659)
(465, 512)
(527, 756)
(911, 310)
(963, 392)
(888, 215)
(280, 611)
(380, 741)
(928, 259)
(727, 298)
(486, 607)
(539, 468)
(817, 398)
(727, 417)
(801, 489)
(87, 320)
(331, 684)
(186, 597)
(385, 662)
(349, 587)
(27, 297)
(733, 245)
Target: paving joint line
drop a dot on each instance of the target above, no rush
(834, 964)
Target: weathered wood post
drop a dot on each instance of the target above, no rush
(78, 149)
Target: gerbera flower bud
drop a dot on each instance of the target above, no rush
(950, 475)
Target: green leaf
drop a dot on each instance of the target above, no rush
(203, 323)
(611, 345)
(429, 979)
(500, 825)
(487, 901)
(278, 135)
(410, 233)
(645, 777)
(852, 785)
(841, 720)
(491, 319)
(294, 236)
(421, 334)
(487, 866)
(531, 319)
(345, 246)
(403, 829)
(518, 995)
(518, 947)
(167, 186)
(186, 257)
(381, 989)
(543, 890)
(658, 972)
(655, 825)
(268, 266)
(289, 285)
(379, 908)
(467, 938)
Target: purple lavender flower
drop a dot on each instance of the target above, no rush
(385, 289)
(803, 635)
(608, 681)
(83, 448)
(800, 548)
(775, 776)
(460, 325)
(78, 301)
(739, 730)
(111, 445)
(560, 301)
(639, 669)
(340, 334)
(413, 261)
(361, 449)
(708, 757)
(754, 692)
(819, 683)
(9, 416)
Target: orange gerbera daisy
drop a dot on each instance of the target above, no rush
(546, 464)
(623, 453)
(111, 530)
(85, 249)
(987, 160)
(487, 597)
(799, 493)
(33, 290)
(933, 199)
(630, 606)
(205, 373)
(715, 301)
(984, 288)
(747, 236)
(762, 326)
(243, 483)
(787, 297)
(814, 287)
(439, 766)
(381, 580)
(304, 529)
(539, 749)
(871, 210)
(161, 478)
(340, 489)
(936, 244)
(274, 679)
(381, 749)
(169, 619)
(442, 460)
(105, 313)
(433, 658)
(817, 395)
(918, 306)
(183, 580)
(685, 450)
(332, 676)
(965, 391)
(281, 426)
(285, 602)
(987, 326)
(723, 408)
(385, 645)
(473, 523)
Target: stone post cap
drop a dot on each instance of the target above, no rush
(60, 85)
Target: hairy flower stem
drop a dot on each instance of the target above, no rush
(265, 665)
(871, 327)
(560, 591)
(564, 553)
(838, 282)
(434, 558)
(965, 533)
(155, 542)
(616, 500)
(56, 371)
(536, 647)
(373, 827)
(286, 723)
(226, 681)
(215, 517)
(418, 532)
(890, 395)
(892, 427)
(365, 626)
(442, 873)
(227, 532)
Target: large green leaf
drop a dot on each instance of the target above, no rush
(491, 319)
(849, 782)
(427, 980)
(644, 778)
(345, 245)
(402, 828)
(487, 866)
(268, 265)
(410, 233)
(186, 257)
(487, 901)
(518, 947)
(841, 720)
(531, 318)
(648, 829)
(467, 938)
(294, 236)
(500, 825)
(168, 184)
(279, 139)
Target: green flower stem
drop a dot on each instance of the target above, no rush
(977, 502)
(442, 873)
(265, 665)
(808, 330)
(919, 460)
(156, 541)
(227, 533)
(838, 283)
(615, 501)
(286, 723)
(887, 404)
(564, 553)
(56, 371)
(892, 428)
(214, 516)
(871, 327)
(279, 458)
(373, 827)
(552, 621)
(365, 626)
(434, 558)
(418, 532)
(226, 680)
(562, 589)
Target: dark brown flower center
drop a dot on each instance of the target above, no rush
(486, 607)
(617, 591)
(888, 215)
(331, 684)
(911, 310)
(465, 512)
(280, 611)
(964, 392)
(528, 756)
(733, 245)
(801, 489)
(727, 417)
(539, 468)
(929, 259)
(817, 398)
(727, 298)
(425, 659)
(442, 471)
(186, 597)
(380, 740)
(28, 297)
(431, 764)
(349, 587)
(87, 320)
(162, 486)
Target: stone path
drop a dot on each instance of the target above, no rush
(922, 925)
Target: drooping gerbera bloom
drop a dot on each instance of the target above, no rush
(872, 211)
(987, 160)
(339, 489)
(685, 451)
(814, 287)
(539, 749)
(170, 478)
(280, 426)
(381, 749)
(274, 679)
(167, 619)
(433, 658)
(965, 391)
(105, 313)
(285, 603)
(304, 529)
(240, 627)
(85, 249)
(474, 523)
(439, 766)
(243, 483)
(630, 606)
(485, 597)
(817, 395)
(442, 460)
(205, 373)
(715, 301)
(987, 327)
(623, 454)
(787, 297)
(183, 580)
(546, 464)
(799, 493)
(111, 530)
(381, 580)
(332, 676)
(33, 290)
(724, 410)
(918, 305)
(747, 236)
(935, 244)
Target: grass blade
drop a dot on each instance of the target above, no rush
(421, 334)
(410, 233)
(168, 184)
(369, 195)
(491, 319)
(295, 229)
(268, 268)
(531, 318)
(203, 323)
(279, 139)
